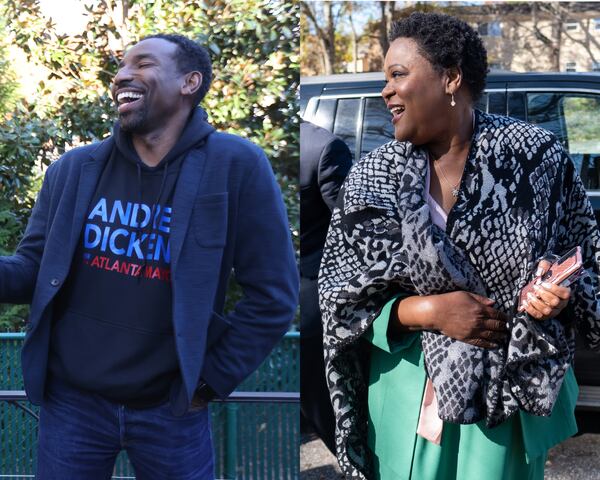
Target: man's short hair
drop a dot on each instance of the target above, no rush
(190, 57)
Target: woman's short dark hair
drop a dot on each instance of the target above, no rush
(446, 42)
(190, 56)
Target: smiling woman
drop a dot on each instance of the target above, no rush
(433, 372)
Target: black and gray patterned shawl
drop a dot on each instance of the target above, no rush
(520, 199)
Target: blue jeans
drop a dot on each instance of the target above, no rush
(81, 434)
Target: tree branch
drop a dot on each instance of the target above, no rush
(309, 13)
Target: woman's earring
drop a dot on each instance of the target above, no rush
(452, 102)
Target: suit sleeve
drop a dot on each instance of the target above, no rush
(334, 165)
(18, 272)
(265, 267)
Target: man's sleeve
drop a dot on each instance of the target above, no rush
(18, 272)
(265, 267)
(334, 165)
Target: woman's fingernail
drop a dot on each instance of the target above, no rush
(546, 285)
(530, 296)
(539, 271)
(536, 287)
(525, 305)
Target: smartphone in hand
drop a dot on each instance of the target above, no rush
(563, 272)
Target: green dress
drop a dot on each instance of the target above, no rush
(514, 450)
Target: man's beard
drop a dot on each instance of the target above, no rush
(136, 121)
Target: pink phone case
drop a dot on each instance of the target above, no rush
(562, 272)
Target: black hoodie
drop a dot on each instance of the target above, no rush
(112, 331)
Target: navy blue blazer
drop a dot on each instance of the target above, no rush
(228, 214)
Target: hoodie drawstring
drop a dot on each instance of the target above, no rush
(141, 231)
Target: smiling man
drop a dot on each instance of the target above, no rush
(126, 260)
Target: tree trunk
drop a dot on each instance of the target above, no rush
(554, 41)
(326, 36)
(385, 24)
(353, 38)
(557, 46)
(383, 28)
(330, 39)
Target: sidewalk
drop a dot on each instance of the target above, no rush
(575, 459)
(316, 461)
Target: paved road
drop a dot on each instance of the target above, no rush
(576, 459)
(316, 461)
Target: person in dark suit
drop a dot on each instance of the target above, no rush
(126, 260)
(324, 163)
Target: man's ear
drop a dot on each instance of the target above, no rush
(453, 79)
(193, 81)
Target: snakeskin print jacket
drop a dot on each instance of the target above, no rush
(520, 199)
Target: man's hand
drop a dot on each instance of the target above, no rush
(549, 299)
(464, 316)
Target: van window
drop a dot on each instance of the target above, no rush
(572, 117)
(345, 121)
(545, 110)
(583, 129)
(325, 113)
(517, 105)
(497, 103)
(492, 102)
(377, 125)
(481, 104)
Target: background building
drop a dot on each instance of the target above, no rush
(339, 37)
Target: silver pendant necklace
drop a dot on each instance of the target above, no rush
(454, 188)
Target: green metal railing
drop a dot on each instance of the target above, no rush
(252, 440)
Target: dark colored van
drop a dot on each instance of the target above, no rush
(568, 104)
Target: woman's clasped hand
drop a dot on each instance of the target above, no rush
(470, 318)
(461, 315)
(549, 299)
